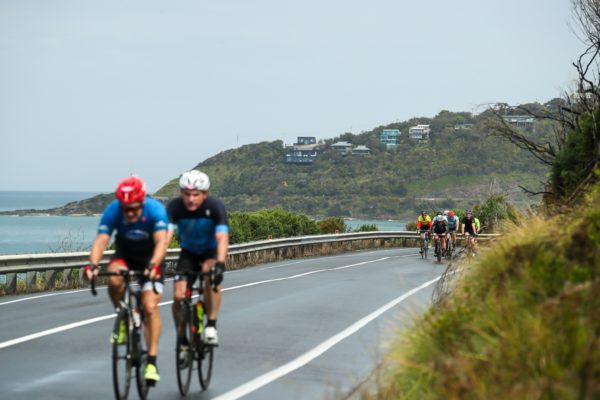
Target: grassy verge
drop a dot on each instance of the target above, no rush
(522, 323)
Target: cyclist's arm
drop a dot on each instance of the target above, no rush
(222, 246)
(98, 247)
(160, 247)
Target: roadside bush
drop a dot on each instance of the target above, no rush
(333, 225)
(366, 228)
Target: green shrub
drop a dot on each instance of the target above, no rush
(332, 225)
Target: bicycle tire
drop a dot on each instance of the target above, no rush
(121, 360)
(426, 248)
(185, 362)
(205, 364)
(438, 250)
(142, 387)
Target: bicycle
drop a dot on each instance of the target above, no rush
(438, 246)
(194, 317)
(449, 246)
(470, 244)
(424, 244)
(130, 352)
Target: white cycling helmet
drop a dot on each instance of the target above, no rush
(194, 180)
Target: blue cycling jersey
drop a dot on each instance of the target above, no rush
(134, 237)
(197, 229)
(453, 222)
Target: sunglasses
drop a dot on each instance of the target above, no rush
(131, 208)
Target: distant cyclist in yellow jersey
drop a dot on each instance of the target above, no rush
(423, 225)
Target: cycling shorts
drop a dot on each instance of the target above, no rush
(190, 263)
(140, 263)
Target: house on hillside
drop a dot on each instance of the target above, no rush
(390, 138)
(361, 151)
(419, 132)
(304, 151)
(463, 127)
(524, 122)
(342, 147)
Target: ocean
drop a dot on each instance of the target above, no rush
(52, 234)
(44, 234)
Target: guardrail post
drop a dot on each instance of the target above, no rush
(50, 276)
(11, 283)
(30, 280)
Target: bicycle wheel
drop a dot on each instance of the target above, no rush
(205, 363)
(438, 250)
(142, 386)
(423, 248)
(121, 360)
(426, 248)
(184, 360)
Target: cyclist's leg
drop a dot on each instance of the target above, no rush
(185, 267)
(212, 297)
(115, 283)
(150, 301)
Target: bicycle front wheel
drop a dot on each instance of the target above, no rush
(184, 354)
(205, 363)
(121, 360)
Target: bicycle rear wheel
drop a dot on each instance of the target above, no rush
(205, 363)
(121, 360)
(184, 360)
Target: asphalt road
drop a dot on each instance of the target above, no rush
(310, 328)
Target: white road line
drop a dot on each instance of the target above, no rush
(305, 358)
(47, 332)
(57, 294)
(92, 320)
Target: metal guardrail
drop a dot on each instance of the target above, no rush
(31, 264)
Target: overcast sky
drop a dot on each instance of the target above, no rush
(91, 91)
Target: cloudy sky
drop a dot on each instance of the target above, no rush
(91, 91)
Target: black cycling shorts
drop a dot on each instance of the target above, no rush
(190, 263)
(138, 263)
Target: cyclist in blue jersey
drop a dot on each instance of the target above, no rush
(201, 223)
(141, 226)
(453, 225)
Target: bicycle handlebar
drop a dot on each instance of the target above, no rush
(122, 272)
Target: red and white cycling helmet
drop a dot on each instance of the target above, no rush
(194, 180)
(131, 190)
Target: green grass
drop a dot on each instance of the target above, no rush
(522, 323)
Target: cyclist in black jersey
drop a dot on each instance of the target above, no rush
(201, 223)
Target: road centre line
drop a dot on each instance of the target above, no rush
(305, 358)
(73, 325)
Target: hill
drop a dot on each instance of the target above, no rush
(455, 167)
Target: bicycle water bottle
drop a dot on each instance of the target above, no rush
(200, 316)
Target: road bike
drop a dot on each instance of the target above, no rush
(449, 246)
(424, 244)
(128, 348)
(194, 317)
(470, 244)
(438, 246)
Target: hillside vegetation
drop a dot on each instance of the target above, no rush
(522, 323)
(455, 167)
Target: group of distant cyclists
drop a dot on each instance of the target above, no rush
(143, 229)
(447, 224)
